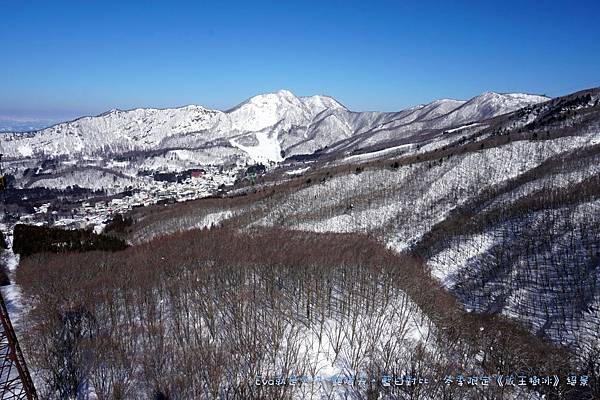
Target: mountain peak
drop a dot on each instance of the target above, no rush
(282, 94)
(285, 93)
(322, 102)
(263, 125)
(279, 97)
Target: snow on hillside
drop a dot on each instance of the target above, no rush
(401, 206)
(356, 202)
(411, 124)
(91, 179)
(274, 118)
(267, 110)
(123, 150)
(266, 149)
(540, 288)
(334, 352)
(320, 103)
(394, 150)
(491, 104)
(113, 132)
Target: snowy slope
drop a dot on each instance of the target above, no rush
(263, 129)
(489, 105)
(272, 115)
(411, 125)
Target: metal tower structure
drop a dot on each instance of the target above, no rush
(15, 381)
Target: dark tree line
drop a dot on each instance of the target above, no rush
(31, 239)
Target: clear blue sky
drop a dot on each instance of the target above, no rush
(61, 59)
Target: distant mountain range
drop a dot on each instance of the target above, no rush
(264, 128)
(120, 150)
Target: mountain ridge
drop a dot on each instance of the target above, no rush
(281, 111)
(123, 150)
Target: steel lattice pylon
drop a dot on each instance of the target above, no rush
(15, 381)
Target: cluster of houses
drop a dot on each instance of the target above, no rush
(94, 215)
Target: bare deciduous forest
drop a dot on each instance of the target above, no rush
(180, 318)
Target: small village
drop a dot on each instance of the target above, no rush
(95, 214)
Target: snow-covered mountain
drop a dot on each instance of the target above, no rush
(259, 126)
(263, 129)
